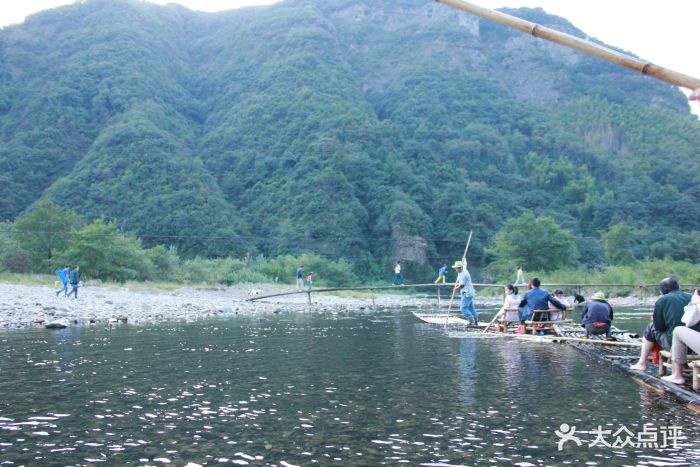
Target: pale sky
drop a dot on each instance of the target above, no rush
(663, 32)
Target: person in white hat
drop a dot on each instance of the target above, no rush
(466, 288)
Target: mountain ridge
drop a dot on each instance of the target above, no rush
(333, 127)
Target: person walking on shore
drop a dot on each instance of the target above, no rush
(398, 278)
(520, 277)
(441, 274)
(63, 276)
(310, 280)
(300, 277)
(74, 278)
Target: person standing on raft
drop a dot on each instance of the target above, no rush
(466, 288)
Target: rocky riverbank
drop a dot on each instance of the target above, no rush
(24, 306)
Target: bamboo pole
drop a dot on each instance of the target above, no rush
(464, 257)
(581, 340)
(417, 286)
(582, 45)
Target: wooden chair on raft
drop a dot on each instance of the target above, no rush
(693, 366)
(539, 321)
(510, 318)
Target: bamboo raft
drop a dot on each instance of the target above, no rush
(620, 353)
(445, 319)
(621, 358)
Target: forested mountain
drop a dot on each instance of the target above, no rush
(363, 130)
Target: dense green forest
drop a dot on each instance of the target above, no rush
(360, 132)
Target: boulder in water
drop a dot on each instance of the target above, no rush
(56, 325)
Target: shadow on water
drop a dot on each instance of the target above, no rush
(296, 389)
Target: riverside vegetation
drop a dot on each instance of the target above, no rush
(48, 237)
(230, 147)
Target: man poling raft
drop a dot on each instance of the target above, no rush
(582, 45)
(466, 291)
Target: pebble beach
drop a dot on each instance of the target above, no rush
(24, 306)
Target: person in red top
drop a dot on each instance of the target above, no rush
(310, 279)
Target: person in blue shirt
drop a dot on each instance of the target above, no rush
(537, 299)
(63, 276)
(597, 316)
(441, 274)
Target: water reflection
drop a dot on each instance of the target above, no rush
(301, 389)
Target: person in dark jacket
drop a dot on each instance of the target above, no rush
(537, 299)
(668, 311)
(74, 278)
(597, 316)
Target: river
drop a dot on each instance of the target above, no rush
(350, 388)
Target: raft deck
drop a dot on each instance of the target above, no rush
(620, 353)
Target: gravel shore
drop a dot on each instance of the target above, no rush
(24, 306)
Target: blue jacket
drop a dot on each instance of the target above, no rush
(538, 299)
(597, 312)
(63, 275)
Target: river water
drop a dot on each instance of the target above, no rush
(351, 388)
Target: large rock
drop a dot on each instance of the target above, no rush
(59, 324)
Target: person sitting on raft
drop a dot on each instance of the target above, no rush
(668, 311)
(537, 299)
(555, 314)
(684, 337)
(509, 310)
(597, 316)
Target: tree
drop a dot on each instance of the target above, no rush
(12, 257)
(43, 230)
(536, 243)
(103, 252)
(623, 244)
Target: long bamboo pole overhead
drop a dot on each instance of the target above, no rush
(582, 45)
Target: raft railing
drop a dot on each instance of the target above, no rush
(642, 288)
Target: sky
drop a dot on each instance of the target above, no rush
(663, 32)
